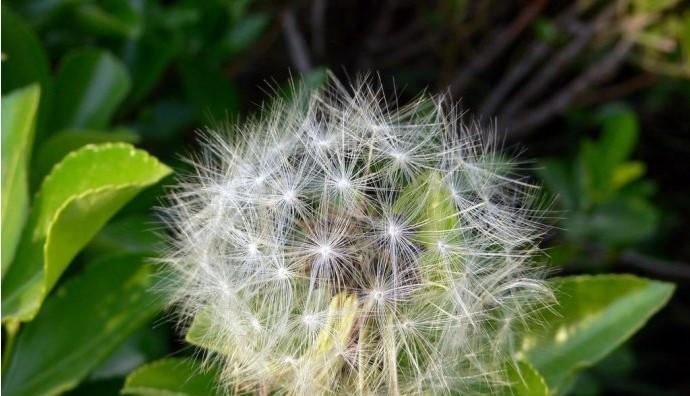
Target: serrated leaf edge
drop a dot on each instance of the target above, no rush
(89, 147)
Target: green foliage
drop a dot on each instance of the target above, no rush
(172, 376)
(437, 214)
(592, 316)
(57, 146)
(18, 121)
(91, 84)
(84, 81)
(606, 199)
(25, 62)
(75, 330)
(75, 200)
(526, 380)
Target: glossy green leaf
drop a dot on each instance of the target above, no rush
(75, 200)
(18, 123)
(150, 342)
(147, 59)
(24, 61)
(55, 148)
(525, 380)
(80, 325)
(593, 316)
(173, 376)
(89, 87)
(136, 233)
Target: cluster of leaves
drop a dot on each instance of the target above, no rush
(77, 297)
(603, 192)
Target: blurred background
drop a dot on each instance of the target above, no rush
(595, 93)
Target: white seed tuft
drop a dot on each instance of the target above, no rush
(339, 246)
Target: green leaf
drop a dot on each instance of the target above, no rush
(18, 124)
(151, 341)
(147, 58)
(117, 19)
(618, 137)
(619, 222)
(24, 61)
(165, 121)
(55, 148)
(241, 36)
(107, 387)
(626, 173)
(131, 234)
(81, 325)
(214, 96)
(75, 200)
(173, 376)
(89, 86)
(558, 177)
(525, 380)
(593, 316)
(199, 331)
(431, 204)
(599, 160)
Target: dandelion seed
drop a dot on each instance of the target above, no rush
(344, 246)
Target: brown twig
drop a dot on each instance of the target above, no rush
(494, 46)
(296, 44)
(318, 26)
(531, 118)
(529, 59)
(624, 88)
(409, 50)
(551, 69)
(665, 269)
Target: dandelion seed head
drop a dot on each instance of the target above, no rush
(338, 244)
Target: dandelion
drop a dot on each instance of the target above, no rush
(340, 245)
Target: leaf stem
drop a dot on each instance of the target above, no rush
(11, 330)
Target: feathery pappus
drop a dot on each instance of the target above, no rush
(338, 243)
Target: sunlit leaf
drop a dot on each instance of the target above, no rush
(18, 123)
(593, 316)
(75, 200)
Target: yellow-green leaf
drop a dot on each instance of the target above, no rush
(53, 149)
(525, 380)
(594, 315)
(75, 200)
(18, 123)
